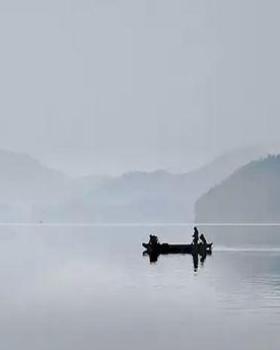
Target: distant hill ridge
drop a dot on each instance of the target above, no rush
(250, 195)
(30, 191)
(157, 196)
(22, 177)
(25, 186)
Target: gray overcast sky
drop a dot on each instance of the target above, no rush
(108, 86)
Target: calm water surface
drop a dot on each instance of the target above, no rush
(90, 288)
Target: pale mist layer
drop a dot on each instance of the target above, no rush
(31, 192)
(106, 87)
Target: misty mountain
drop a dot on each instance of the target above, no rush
(25, 185)
(250, 194)
(157, 196)
(29, 191)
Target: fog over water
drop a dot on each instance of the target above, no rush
(90, 287)
(110, 86)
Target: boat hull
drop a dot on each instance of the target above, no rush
(165, 248)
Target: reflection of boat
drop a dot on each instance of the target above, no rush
(165, 248)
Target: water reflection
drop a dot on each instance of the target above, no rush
(198, 259)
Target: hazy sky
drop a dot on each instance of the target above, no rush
(107, 86)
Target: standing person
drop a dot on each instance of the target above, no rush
(195, 236)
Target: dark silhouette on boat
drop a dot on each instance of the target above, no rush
(165, 248)
(199, 247)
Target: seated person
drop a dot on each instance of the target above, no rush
(153, 240)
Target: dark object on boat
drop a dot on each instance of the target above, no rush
(165, 248)
(154, 248)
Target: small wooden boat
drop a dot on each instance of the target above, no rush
(165, 248)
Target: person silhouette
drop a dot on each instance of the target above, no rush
(195, 236)
(153, 240)
(203, 239)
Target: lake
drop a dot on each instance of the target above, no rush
(89, 287)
